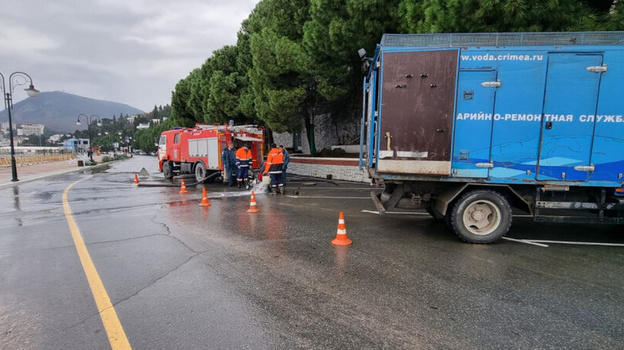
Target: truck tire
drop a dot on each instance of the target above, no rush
(480, 216)
(200, 171)
(167, 170)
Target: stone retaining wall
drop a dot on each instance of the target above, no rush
(338, 168)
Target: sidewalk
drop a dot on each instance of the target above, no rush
(34, 172)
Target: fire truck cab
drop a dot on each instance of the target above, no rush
(198, 150)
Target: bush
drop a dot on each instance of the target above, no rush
(117, 156)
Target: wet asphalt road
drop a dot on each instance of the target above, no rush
(185, 277)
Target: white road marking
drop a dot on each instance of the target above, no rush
(579, 243)
(307, 188)
(327, 197)
(396, 213)
(526, 242)
(536, 242)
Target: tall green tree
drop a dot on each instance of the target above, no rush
(225, 83)
(198, 92)
(337, 29)
(180, 99)
(437, 16)
(244, 64)
(285, 89)
(614, 18)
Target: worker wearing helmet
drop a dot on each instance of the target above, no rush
(274, 163)
(243, 163)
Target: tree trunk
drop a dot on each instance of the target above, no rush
(309, 125)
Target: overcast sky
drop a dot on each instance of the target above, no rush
(128, 51)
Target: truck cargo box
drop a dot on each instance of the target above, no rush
(498, 107)
(473, 126)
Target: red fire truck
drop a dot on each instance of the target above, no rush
(198, 150)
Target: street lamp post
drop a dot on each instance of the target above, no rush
(15, 79)
(89, 121)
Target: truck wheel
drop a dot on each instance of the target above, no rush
(167, 170)
(200, 171)
(481, 216)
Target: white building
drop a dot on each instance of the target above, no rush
(76, 145)
(55, 138)
(5, 126)
(30, 129)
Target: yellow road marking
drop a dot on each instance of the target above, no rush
(114, 330)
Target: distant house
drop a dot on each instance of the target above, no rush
(5, 126)
(55, 138)
(76, 145)
(143, 126)
(30, 129)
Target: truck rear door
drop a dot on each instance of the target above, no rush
(566, 141)
(416, 112)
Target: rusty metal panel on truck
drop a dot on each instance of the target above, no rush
(418, 94)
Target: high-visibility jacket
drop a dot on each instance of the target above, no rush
(275, 161)
(243, 158)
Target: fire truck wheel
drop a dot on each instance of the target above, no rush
(481, 216)
(200, 171)
(167, 170)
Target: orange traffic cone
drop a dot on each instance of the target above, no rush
(136, 179)
(204, 202)
(341, 234)
(253, 208)
(183, 187)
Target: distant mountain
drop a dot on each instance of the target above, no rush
(58, 111)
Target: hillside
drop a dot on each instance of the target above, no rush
(58, 111)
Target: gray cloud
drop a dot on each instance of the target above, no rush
(128, 51)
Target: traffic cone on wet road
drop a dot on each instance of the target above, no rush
(183, 187)
(341, 233)
(253, 208)
(136, 179)
(204, 202)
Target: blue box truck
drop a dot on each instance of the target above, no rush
(473, 126)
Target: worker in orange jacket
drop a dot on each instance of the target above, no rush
(273, 167)
(243, 163)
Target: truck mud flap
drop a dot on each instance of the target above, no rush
(378, 205)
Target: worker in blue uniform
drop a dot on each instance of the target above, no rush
(228, 157)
